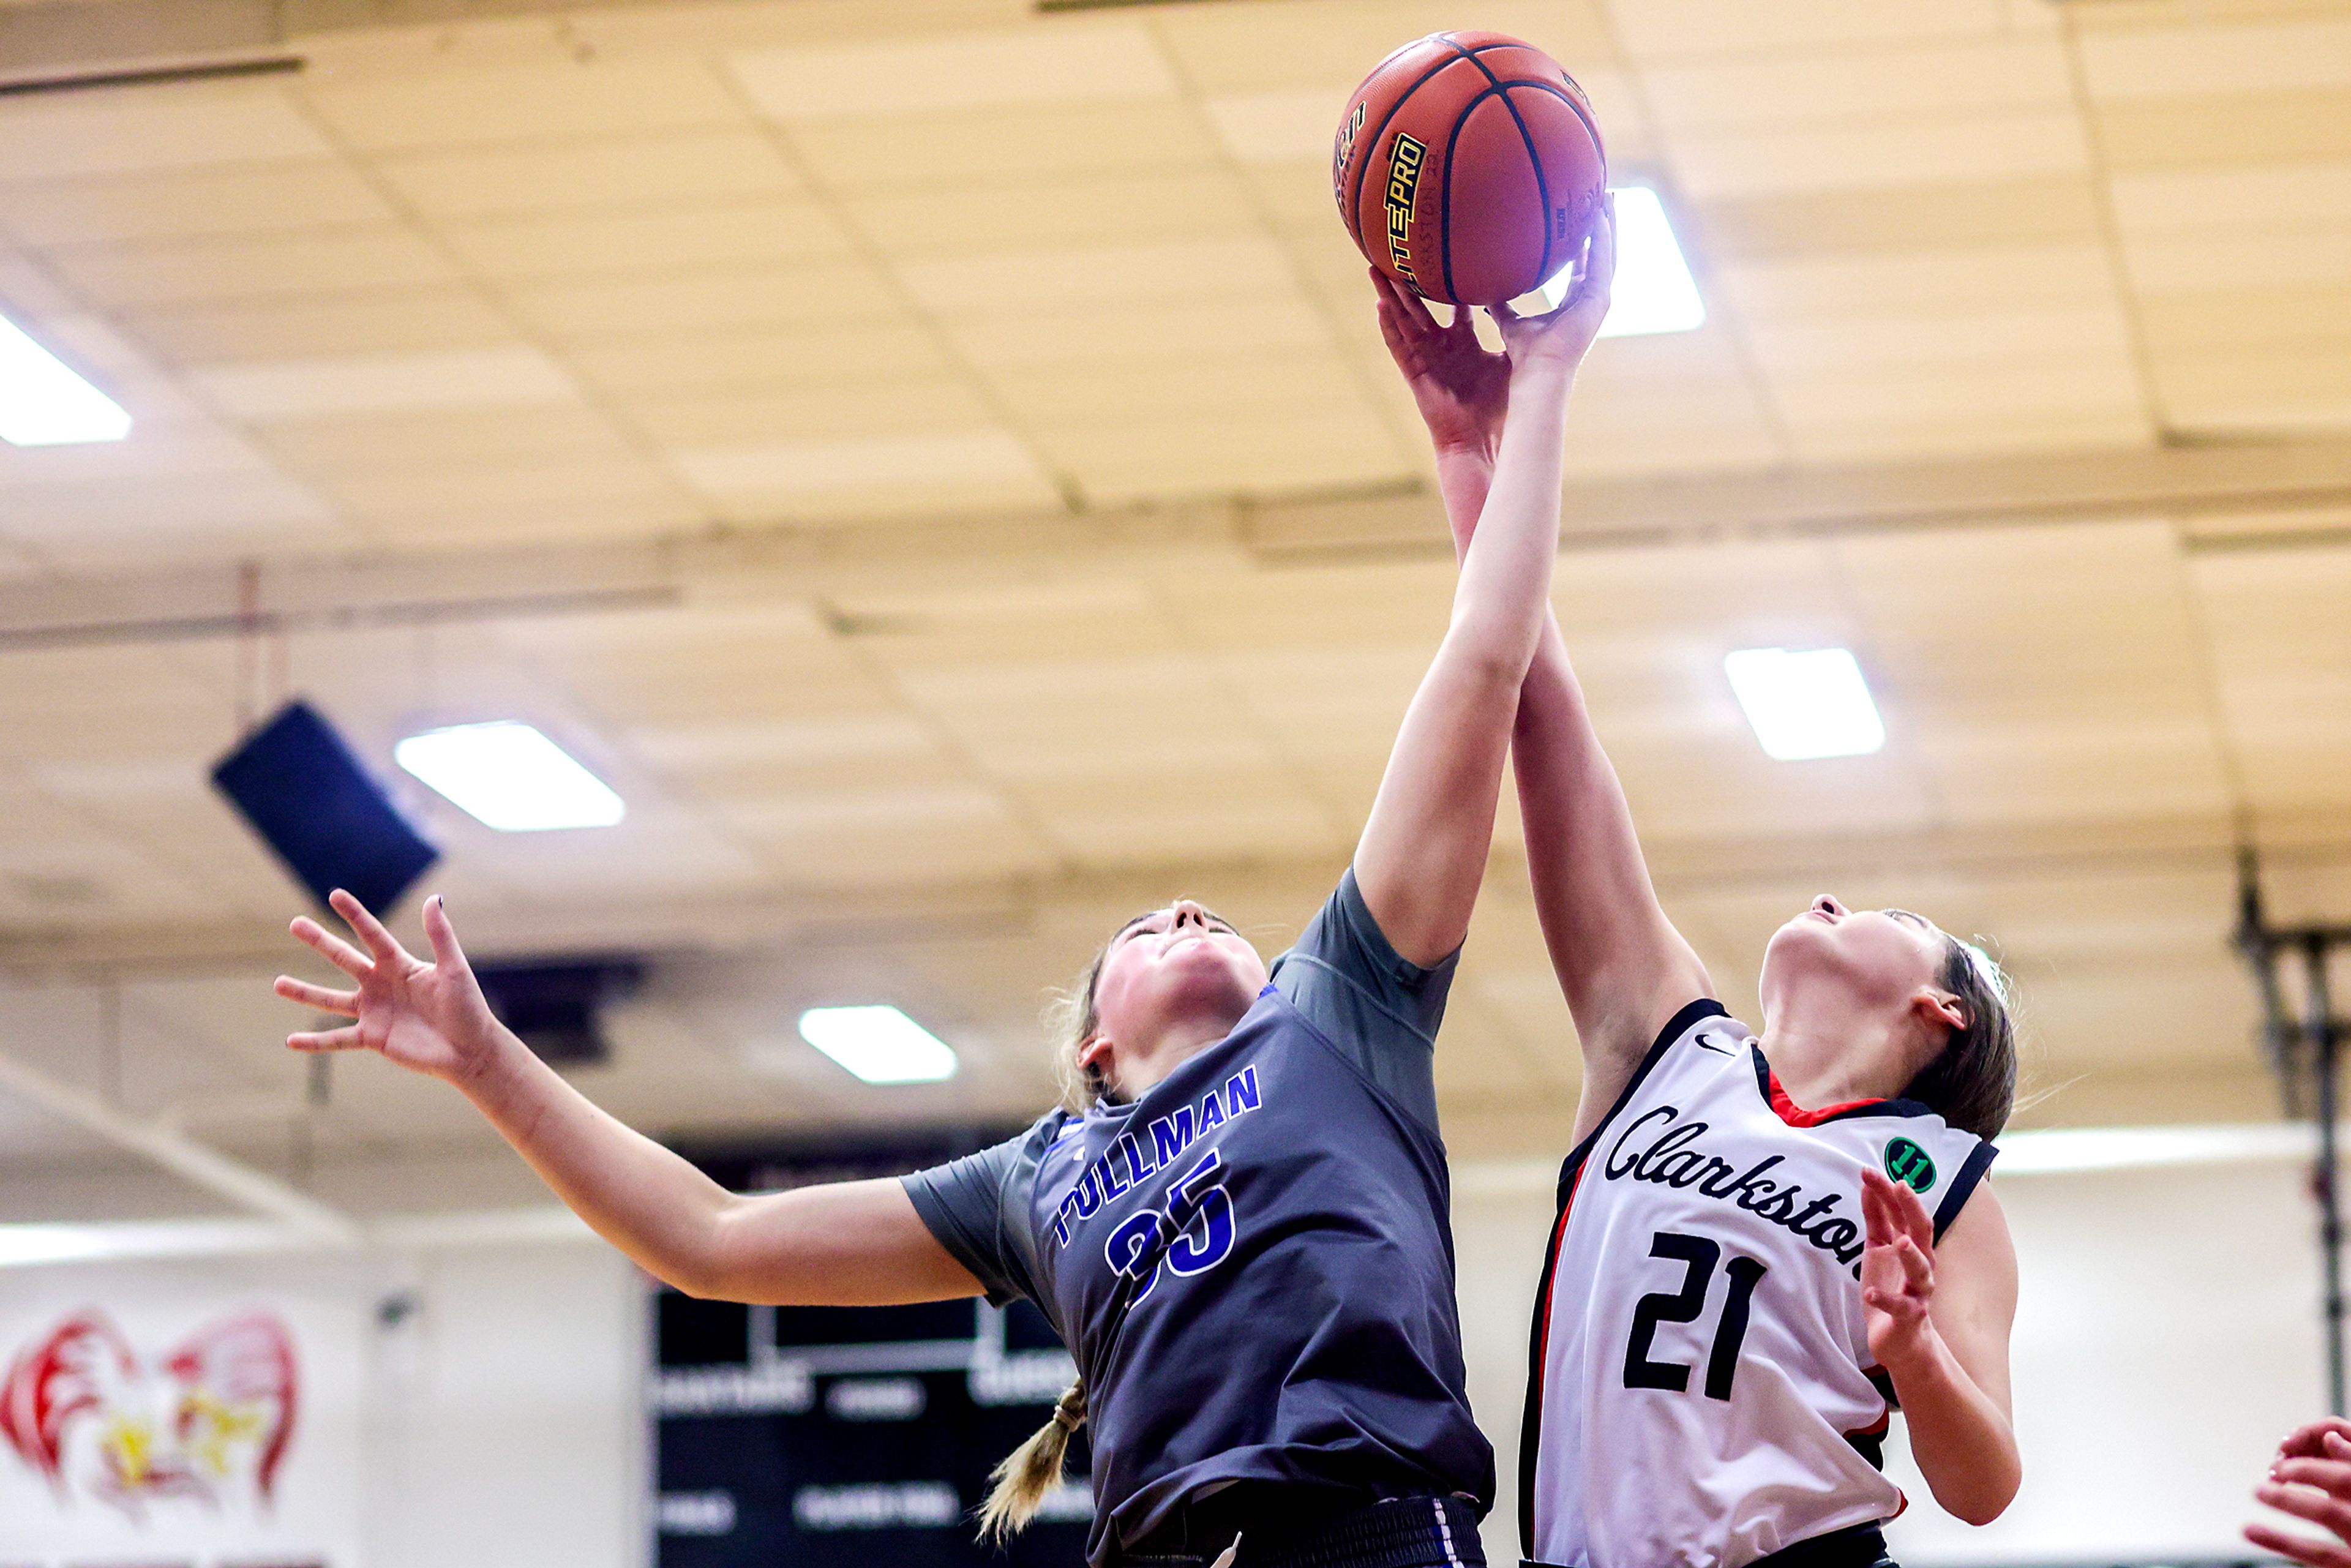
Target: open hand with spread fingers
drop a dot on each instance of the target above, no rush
(428, 1017)
(2311, 1480)
(1897, 1269)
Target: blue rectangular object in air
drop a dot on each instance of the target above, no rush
(332, 825)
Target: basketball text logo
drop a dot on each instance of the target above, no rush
(1404, 180)
(1346, 147)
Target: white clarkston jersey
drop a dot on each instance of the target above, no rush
(1702, 1392)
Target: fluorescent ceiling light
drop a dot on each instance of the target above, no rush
(42, 403)
(880, 1044)
(1653, 291)
(509, 777)
(1807, 705)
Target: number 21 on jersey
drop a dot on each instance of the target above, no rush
(1697, 1256)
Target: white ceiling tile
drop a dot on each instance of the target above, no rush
(1069, 63)
(534, 177)
(478, 377)
(1274, 127)
(931, 150)
(2223, 56)
(1669, 30)
(236, 198)
(819, 467)
(151, 127)
(582, 244)
(592, 97)
(2149, 202)
(1888, 151)
(2248, 256)
(1029, 279)
(1937, 80)
(159, 273)
(589, 310)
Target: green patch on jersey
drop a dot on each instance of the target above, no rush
(1909, 1164)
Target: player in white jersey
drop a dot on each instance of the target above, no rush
(1764, 1245)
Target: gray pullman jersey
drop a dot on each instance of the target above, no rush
(1252, 1263)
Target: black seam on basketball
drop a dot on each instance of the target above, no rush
(1355, 195)
(1534, 161)
(1591, 128)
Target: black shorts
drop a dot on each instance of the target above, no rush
(1402, 1532)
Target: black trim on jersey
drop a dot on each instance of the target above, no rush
(1883, 1381)
(1539, 1335)
(1844, 1113)
(1977, 1162)
(1676, 1027)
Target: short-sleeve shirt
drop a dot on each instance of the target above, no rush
(1252, 1262)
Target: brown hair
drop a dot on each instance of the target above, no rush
(1972, 1084)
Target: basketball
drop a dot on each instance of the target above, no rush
(1468, 168)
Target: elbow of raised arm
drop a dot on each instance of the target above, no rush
(1982, 1498)
(699, 1265)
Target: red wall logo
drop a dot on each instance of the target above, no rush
(208, 1422)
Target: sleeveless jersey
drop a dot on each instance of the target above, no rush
(1702, 1393)
(1252, 1263)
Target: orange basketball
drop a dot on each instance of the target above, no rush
(1468, 168)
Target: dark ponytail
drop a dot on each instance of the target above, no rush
(1017, 1486)
(1973, 1083)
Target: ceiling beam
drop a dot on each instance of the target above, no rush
(255, 1191)
(2288, 483)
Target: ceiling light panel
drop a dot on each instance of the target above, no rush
(879, 1044)
(43, 403)
(507, 775)
(1805, 705)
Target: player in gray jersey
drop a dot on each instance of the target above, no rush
(1238, 1219)
(1717, 1347)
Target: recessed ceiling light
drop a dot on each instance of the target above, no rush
(879, 1043)
(509, 777)
(1805, 704)
(42, 403)
(1653, 291)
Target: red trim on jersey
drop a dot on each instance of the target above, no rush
(1550, 1283)
(1558, 1240)
(1795, 1115)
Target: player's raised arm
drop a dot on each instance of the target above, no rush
(854, 1244)
(1423, 847)
(1623, 966)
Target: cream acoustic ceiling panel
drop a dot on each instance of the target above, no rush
(938, 462)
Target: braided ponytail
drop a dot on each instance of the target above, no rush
(1027, 1473)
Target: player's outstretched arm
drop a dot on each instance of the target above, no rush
(1938, 1317)
(855, 1244)
(1623, 968)
(1424, 848)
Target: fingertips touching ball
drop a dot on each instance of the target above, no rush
(1468, 168)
